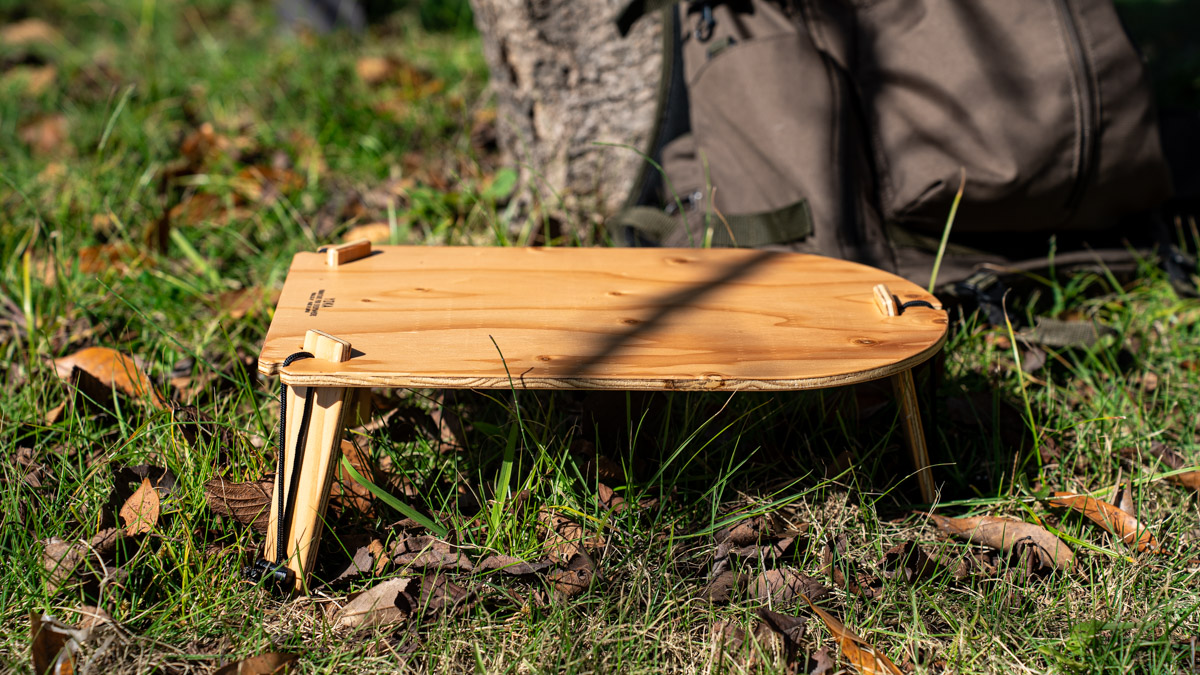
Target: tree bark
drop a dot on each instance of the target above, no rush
(565, 80)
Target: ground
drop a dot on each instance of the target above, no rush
(162, 160)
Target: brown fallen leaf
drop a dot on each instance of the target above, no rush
(247, 503)
(263, 664)
(373, 70)
(35, 80)
(264, 183)
(199, 208)
(347, 493)
(722, 587)
(510, 565)
(118, 257)
(753, 530)
(426, 552)
(44, 134)
(29, 31)
(782, 587)
(376, 606)
(820, 662)
(1110, 518)
(790, 627)
(112, 369)
(575, 578)
(909, 562)
(1007, 534)
(140, 512)
(1174, 460)
(53, 645)
(437, 596)
(857, 651)
(1124, 497)
(564, 538)
(609, 498)
(375, 233)
(63, 559)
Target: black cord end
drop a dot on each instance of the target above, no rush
(276, 576)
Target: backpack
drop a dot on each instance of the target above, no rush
(846, 127)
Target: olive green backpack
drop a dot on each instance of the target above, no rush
(846, 127)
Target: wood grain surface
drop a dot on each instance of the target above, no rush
(572, 318)
(317, 465)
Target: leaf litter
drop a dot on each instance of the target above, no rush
(1011, 536)
(1109, 517)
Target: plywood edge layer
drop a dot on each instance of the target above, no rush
(298, 377)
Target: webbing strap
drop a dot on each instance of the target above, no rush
(747, 230)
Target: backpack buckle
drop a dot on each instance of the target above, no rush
(704, 27)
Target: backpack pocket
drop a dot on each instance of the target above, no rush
(1043, 103)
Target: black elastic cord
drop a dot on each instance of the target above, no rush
(285, 508)
(916, 303)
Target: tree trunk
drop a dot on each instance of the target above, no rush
(565, 80)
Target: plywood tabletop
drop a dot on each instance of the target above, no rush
(574, 318)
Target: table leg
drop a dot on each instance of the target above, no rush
(910, 413)
(308, 492)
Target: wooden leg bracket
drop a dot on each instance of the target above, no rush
(310, 495)
(910, 413)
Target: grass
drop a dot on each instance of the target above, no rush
(134, 80)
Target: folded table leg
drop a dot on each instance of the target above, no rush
(308, 491)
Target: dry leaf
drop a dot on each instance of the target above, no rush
(347, 493)
(564, 538)
(247, 503)
(510, 565)
(722, 587)
(857, 651)
(35, 80)
(609, 498)
(62, 559)
(790, 627)
(53, 645)
(29, 31)
(438, 595)
(426, 552)
(119, 257)
(373, 232)
(1174, 460)
(262, 183)
(263, 664)
(753, 530)
(1124, 498)
(375, 606)
(199, 208)
(44, 134)
(112, 369)
(575, 578)
(140, 512)
(909, 562)
(1110, 518)
(781, 587)
(1008, 535)
(373, 70)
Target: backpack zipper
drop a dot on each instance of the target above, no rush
(1088, 108)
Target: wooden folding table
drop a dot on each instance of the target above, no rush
(575, 318)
